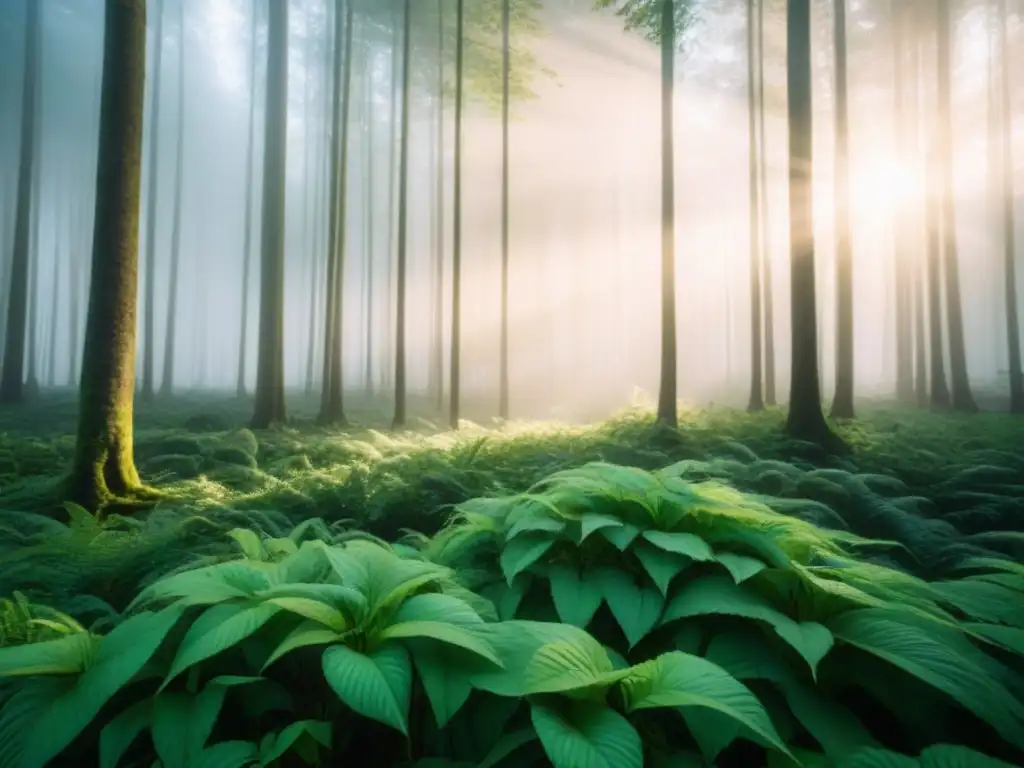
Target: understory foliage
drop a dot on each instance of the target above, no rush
(605, 616)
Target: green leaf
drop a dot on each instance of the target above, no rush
(926, 656)
(585, 735)
(522, 552)
(534, 524)
(227, 754)
(694, 547)
(595, 521)
(878, 758)
(438, 607)
(210, 584)
(622, 536)
(636, 608)
(119, 734)
(218, 629)
(306, 634)
(68, 655)
(832, 725)
(278, 744)
(313, 610)
(660, 565)
(741, 567)
(954, 756)
(446, 678)
(449, 634)
(249, 542)
(576, 598)
(120, 657)
(678, 679)
(562, 667)
(719, 595)
(377, 685)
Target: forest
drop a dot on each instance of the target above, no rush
(511, 383)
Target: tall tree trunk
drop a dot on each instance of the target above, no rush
(403, 224)
(667, 388)
(171, 327)
(963, 400)
(455, 352)
(437, 332)
(74, 296)
(270, 407)
(506, 24)
(766, 241)
(805, 420)
(103, 467)
(247, 249)
(842, 402)
(389, 272)
(332, 408)
(901, 264)
(32, 353)
(370, 192)
(756, 400)
(148, 346)
(939, 392)
(13, 372)
(1009, 234)
(59, 269)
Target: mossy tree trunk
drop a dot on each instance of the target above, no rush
(842, 402)
(12, 379)
(332, 399)
(455, 353)
(667, 389)
(805, 420)
(103, 467)
(270, 406)
(152, 214)
(962, 399)
(756, 400)
(403, 224)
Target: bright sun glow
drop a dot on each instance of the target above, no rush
(885, 183)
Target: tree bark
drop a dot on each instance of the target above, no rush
(667, 389)
(805, 420)
(756, 399)
(766, 241)
(842, 402)
(403, 228)
(148, 346)
(962, 400)
(270, 406)
(12, 379)
(247, 249)
(455, 377)
(103, 467)
(506, 24)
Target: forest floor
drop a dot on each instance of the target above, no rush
(938, 484)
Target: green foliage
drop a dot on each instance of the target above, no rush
(645, 16)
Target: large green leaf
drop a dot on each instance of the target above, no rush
(586, 735)
(377, 685)
(577, 596)
(563, 667)
(591, 522)
(446, 675)
(67, 655)
(210, 584)
(450, 634)
(924, 655)
(313, 610)
(678, 679)
(277, 744)
(305, 634)
(740, 567)
(120, 657)
(522, 552)
(720, 595)
(227, 754)
(117, 736)
(506, 745)
(534, 524)
(636, 608)
(621, 536)
(955, 756)
(691, 545)
(438, 607)
(219, 628)
(660, 565)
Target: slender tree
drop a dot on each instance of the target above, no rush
(32, 350)
(369, 192)
(270, 406)
(332, 405)
(668, 385)
(939, 390)
(12, 379)
(437, 332)
(171, 327)
(756, 401)
(842, 402)
(962, 399)
(103, 467)
(506, 26)
(403, 224)
(455, 377)
(148, 345)
(805, 420)
(767, 287)
(247, 249)
(74, 294)
(901, 262)
(1009, 232)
